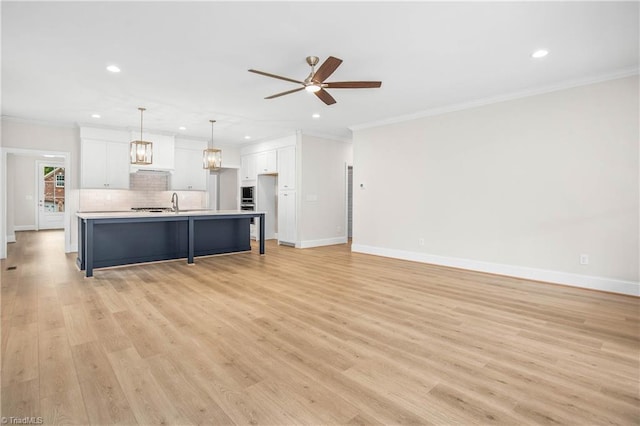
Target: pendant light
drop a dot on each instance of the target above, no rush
(141, 151)
(212, 157)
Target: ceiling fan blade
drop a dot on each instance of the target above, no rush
(284, 93)
(325, 97)
(276, 76)
(326, 69)
(353, 84)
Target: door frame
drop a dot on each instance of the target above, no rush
(39, 165)
(66, 157)
(348, 166)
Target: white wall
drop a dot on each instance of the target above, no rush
(522, 187)
(323, 191)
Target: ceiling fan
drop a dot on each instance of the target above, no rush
(315, 82)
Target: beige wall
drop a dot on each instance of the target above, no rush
(21, 191)
(43, 137)
(522, 187)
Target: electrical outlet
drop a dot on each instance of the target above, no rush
(584, 259)
(421, 241)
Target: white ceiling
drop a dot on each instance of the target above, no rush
(187, 62)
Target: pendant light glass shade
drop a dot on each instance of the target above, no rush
(141, 151)
(212, 157)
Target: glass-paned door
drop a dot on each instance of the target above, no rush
(51, 204)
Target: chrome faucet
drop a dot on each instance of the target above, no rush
(174, 203)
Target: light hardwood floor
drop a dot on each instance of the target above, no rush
(314, 336)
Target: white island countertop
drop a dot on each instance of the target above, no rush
(128, 214)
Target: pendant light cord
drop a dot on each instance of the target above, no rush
(211, 121)
(141, 112)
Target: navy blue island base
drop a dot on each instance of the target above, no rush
(122, 239)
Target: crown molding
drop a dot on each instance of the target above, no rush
(37, 122)
(326, 136)
(502, 98)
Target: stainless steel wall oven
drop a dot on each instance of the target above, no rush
(247, 200)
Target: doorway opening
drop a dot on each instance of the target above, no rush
(51, 195)
(22, 188)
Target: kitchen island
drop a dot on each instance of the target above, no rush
(123, 238)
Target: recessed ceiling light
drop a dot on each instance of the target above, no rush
(95, 115)
(539, 54)
(182, 128)
(247, 137)
(316, 115)
(113, 68)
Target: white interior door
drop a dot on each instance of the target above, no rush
(51, 195)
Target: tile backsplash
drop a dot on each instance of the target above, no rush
(92, 200)
(149, 181)
(147, 189)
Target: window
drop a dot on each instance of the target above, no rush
(59, 181)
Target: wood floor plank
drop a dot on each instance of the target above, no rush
(49, 309)
(57, 370)
(20, 362)
(148, 401)
(64, 408)
(104, 399)
(78, 328)
(313, 336)
(21, 399)
(198, 407)
(206, 378)
(25, 304)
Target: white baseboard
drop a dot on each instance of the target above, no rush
(24, 227)
(323, 242)
(557, 277)
(11, 238)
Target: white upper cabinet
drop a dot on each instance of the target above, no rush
(287, 168)
(104, 164)
(266, 162)
(248, 167)
(188, 174)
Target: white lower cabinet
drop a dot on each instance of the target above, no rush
(287, 217)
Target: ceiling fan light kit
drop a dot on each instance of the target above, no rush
(315, 82)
